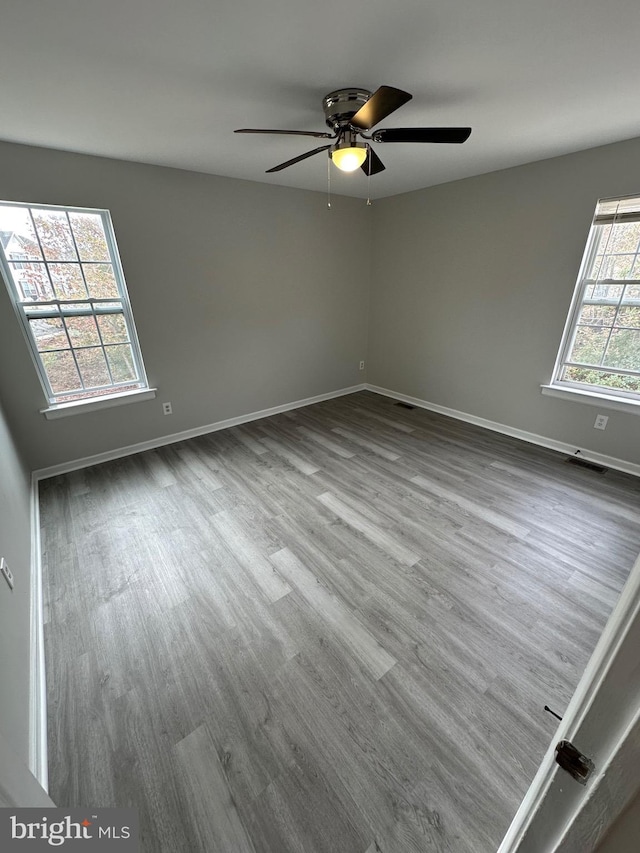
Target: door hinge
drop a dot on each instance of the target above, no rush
(574, 762)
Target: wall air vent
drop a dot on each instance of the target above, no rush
(583, 463)
(404, 405)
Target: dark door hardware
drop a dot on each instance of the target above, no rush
(547, 708)
(574, 762)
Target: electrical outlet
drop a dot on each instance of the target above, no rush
(362, 365)
(6, 571)
(166, 409)
(601, 422)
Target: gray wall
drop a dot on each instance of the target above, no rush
(248, 296)
(472, 282)
(623, 835)
(245, 296)
(15, 547)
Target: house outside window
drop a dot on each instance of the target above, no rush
(63, 272)
(600, 349)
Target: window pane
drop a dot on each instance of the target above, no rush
(32, 282)
(624, 349)
(61, 371)
(121, 363)
(82, 332)
(589, 344)
(603, 235)
(18, 236)
(616, 266)
(601, 378)
(67, 281)
(594, 272)
(598, 315)
(631, 293)
(49, 334)
(101, 281)
(93, 367)
(625, 238)
(89, 234)
(55, 235)
(113, 328)
(629, 316)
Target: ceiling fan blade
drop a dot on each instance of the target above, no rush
(318, 134)
(298, 159)
(381, 104)
(373, 163)
(422, 134)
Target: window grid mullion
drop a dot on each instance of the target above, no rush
(118, 273)
(89, 346)
(86, 289)
(592, 253)
(613, 324)
(75, 360)
(44, 261)
(622, 291)
(571, 326)
(54, 291)
(75, 246)
(41, 368)
(104, 351)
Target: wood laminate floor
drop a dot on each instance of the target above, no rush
(330, 630)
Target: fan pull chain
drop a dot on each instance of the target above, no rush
(369, 177)
(328, 181)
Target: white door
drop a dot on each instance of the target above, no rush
(603, 722)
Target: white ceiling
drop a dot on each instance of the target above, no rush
(167, 81)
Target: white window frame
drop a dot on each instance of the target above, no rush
(105, 395)
(614, 398)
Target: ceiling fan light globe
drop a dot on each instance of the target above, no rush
(349, 159)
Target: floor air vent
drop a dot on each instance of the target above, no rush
(583, 463)
(404, 405)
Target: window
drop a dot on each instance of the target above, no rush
(18, 256)
(63, 272)
(600, 349)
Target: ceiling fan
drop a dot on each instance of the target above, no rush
(351, 112)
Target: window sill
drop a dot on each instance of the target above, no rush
(593, 398)
(63, 410)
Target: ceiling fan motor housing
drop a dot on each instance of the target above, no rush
(340, 106)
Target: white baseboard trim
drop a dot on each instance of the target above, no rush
(85, 462)
(523, 435)
(38, 762)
